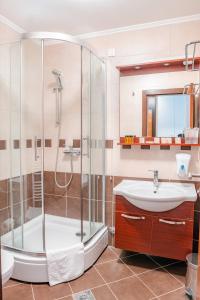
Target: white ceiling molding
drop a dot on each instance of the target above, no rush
(11, 25)
(140, 26)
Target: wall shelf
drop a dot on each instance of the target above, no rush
(162, 146)
(151, 144)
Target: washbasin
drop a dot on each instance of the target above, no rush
(167, 196)
(7, 265)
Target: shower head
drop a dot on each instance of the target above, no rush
(56, 72)
(58, 75)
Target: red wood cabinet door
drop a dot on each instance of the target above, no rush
(172, 238)
(133, 232)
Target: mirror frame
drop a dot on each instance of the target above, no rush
(146, 93)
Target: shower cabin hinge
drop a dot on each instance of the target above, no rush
(111, 230)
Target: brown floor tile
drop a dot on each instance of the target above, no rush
(107, 255)
(103, 292)
(46, 292)
(67, 298)
(178, 271)
(19, 292)
(159, 281)
(113, 270)
(12, 282)
(88, 280)
(130, 289)
(176, 295)
(123, 253)
(139, 263)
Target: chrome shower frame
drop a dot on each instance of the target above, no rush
(70, 39)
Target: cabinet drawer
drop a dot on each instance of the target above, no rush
(133, 232)
(171, 237)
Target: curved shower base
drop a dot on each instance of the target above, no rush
(32, 267)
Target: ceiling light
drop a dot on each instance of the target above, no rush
(166, 64)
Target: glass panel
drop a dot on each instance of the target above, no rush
(5, 154)
(62, 127)
(93, 130)
(32, 141)
(85, 143)
(97, 136)
(16, 196)
(11, 207)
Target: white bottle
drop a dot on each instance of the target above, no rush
(183, 163)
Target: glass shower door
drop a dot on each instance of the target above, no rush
(15, 182)
(11, 212)
(93, 144)
(97, 143)
(32, 144)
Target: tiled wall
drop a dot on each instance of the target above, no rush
(66, 202)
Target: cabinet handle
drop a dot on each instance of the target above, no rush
(172, 222)
(132, 217)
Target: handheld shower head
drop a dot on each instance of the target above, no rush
(56, 72)
(58, 75)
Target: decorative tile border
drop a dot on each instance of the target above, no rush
(3, 144)
(76, 143)
(61, 143)
(48, 143)
(28, 143)
(16, 144)
(109, 144)
(39, 143)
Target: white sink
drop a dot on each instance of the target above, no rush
(143, 195)
(7, 266)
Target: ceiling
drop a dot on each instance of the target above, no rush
(84, 16)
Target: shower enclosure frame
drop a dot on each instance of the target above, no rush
(70, 39)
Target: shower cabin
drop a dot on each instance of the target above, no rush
(52, 186)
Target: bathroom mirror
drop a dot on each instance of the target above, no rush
(166, 113)
(153, 102)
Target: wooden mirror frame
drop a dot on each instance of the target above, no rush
(173, 91)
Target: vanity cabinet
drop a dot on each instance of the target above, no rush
(133, 225)
(167, 234)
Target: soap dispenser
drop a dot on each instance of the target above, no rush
(183, 163)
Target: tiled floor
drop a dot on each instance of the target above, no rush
(117, 274)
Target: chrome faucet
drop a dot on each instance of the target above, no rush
(155, 178)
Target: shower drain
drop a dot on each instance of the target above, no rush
(79, 233)
(84, 295)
